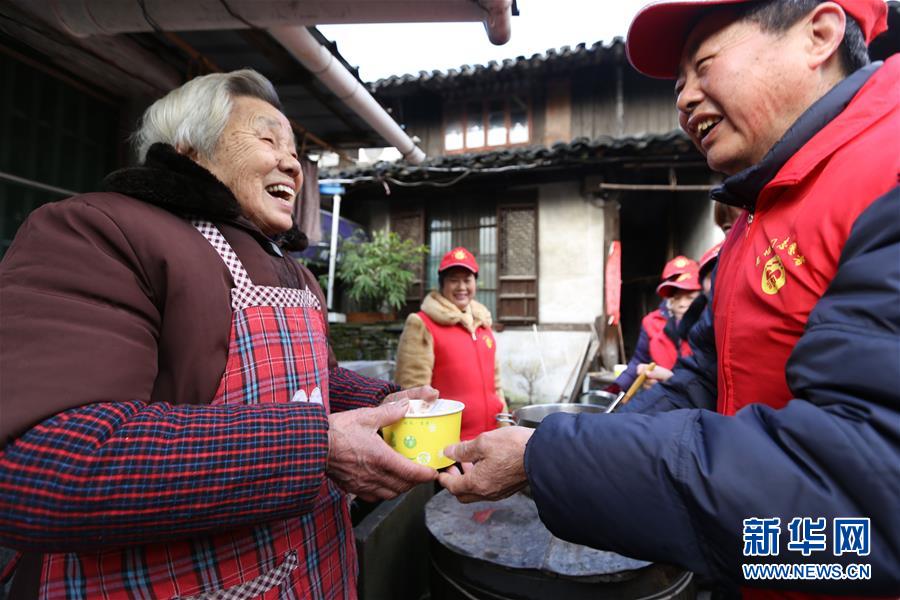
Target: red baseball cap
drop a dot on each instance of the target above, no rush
(707, 261)
(688, 281)
(459, 257)
(659, 30)
(677, 266)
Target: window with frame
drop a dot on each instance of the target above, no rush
(488, 123)
(503, 239)
(474, 226)
(517, 268)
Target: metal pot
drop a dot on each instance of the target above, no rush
(598, 397)
(531, 416)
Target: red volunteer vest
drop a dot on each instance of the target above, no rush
(464, 370)
(778, 262)
(662, 349)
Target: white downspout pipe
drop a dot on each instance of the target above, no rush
(321, 63)
(332, 254)
(497, 20)
(109, 17)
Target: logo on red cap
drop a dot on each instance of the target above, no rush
(458, 257)
(677, 266)
(689, 280)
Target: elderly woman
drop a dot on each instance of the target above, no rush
(173, 423)
(449, 344)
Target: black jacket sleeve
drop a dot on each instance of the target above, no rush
(676, 487)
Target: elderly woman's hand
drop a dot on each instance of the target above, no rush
(361, 463)
(426, 393)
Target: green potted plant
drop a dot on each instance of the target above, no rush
(377, 274)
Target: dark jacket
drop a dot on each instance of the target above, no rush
(675, 485)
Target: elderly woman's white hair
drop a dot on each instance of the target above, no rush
(193, 116)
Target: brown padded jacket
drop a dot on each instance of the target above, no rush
(132, 299)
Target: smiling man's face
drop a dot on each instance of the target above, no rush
(739, 89)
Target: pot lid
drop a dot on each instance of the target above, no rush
(510, 533)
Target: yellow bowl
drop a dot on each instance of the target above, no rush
(423, 434)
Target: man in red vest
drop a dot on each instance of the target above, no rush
(771, 459)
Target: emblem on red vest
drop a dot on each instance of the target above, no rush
(488, 342)
(774, 276)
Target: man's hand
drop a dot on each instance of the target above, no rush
(422, 392)
(361, 463)
(493, 465)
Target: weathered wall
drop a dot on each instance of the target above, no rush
(572, 257)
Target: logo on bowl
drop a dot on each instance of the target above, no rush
(409, 441)
(423, 458)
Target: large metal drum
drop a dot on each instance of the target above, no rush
(501, 550)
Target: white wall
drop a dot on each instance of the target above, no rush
(572, 255)
(570, 289)
(702, 233)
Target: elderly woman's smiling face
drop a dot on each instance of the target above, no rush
(256, 159)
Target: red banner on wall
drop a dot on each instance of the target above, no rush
(613, 282)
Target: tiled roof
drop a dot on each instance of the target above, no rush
(581, 151)
(562, 58)
(565, 57)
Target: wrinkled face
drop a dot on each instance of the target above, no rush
(679, 302)
(256, 159)
(459, 287)
(739, 89)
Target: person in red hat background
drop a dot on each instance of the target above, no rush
(777, 442)
(449, 345)
(688, 315)
(658, 340)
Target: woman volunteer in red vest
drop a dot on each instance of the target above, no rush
(654, 343)
(449, 344)
(666, 345)
(689, 318)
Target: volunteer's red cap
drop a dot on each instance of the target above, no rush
(677, 266)
(707, 261)
(459, 257)
(658, 32)
(688, 281)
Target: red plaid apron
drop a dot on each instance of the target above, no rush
(278, 353)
